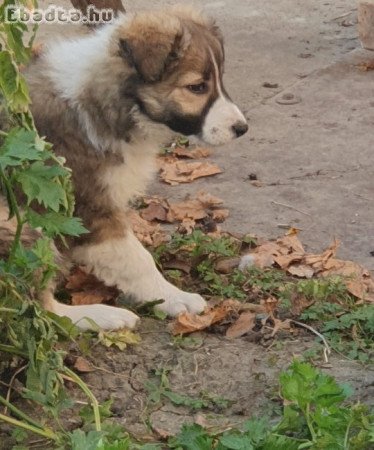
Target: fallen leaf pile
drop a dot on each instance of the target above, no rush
(187, 323)
(188, 213)
(240, 318)
(174, 171)
(288, 253)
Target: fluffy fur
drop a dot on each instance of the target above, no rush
(107, 101)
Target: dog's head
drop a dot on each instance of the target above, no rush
(176, 60)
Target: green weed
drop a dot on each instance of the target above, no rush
(314, 417)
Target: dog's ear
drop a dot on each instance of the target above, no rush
(152, 51)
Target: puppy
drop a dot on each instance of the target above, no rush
(107, 101)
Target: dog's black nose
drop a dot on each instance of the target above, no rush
(240, 128)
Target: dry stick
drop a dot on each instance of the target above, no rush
(37, 443)
(343, 15)
(21, 369)
(327, 348)
(290, 207)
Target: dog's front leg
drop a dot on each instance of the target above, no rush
(125, 263)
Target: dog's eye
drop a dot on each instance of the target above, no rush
(200, 88)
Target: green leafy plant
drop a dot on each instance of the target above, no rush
(314, 417)
(39, 194)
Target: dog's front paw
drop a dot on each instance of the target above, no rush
(106, 317)
(182, 301)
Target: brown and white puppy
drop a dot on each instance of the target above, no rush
(107, 101)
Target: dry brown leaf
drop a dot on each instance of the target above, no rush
(289, 254)
(82, 365)
(264, 254)
(254, 307)
(290, 243)
(176, 172)
(281, 325)
(202, 206)
(270, 304)
(187, 226)
(245, 323)
(301, 270)
(196, 153)
(154, 211)
(188, 323)
(87, 289)
(208, 200)
(299, 303)
(148, 233)
(90, 297)
(192, 209)
(357, 279)
(79, 278)
(284, 261)
(220, 215)
(318, 262)
(283, 251)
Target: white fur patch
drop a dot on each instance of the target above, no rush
(71, 61)
(222, 116)
(104, 316)
(246, 261)
(125, 263)
(131, 177)
(139, 167)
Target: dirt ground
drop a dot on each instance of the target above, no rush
(237, 370)
(314, 157)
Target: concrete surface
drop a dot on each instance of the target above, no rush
(314, 157)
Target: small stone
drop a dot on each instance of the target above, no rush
(266, 84)
(288, 99)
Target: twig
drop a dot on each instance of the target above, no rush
(287, 226)
(327, 348)
(290, 207)
(342, 15)
(21, 369)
